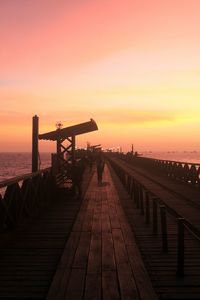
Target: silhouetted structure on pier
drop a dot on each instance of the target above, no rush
(137, 236)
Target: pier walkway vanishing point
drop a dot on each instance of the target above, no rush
(110, 245)
(100, 259)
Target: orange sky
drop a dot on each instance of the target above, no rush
(133, 66)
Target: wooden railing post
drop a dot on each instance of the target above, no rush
(147, 208)
(164, 228)
(136, 194)
(132, 187)
(128, 184)
(35, 143)
(155, 216)
(141, 200)
(180, 248)
(73, 150)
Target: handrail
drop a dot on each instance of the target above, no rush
(21, 196)
(168, 160)
(192, 230)
(16, 179)
(140, 193)
(186, 172)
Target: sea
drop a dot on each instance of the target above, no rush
(15, 164)
(183, 156)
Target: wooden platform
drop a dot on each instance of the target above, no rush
(100, 248)
(29, 256)
(101, 259)
(173, 193)
(162, 265)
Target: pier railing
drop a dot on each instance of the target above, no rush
(155, 213)
(22, 195)
(183, 171)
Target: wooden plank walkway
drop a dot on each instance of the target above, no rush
(29, 257)
(101, 259)
(162, 265)
(173, 193)
(28, 261)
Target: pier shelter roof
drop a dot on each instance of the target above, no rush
(66, 132)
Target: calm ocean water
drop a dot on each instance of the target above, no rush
(184, 156)
(14, 164)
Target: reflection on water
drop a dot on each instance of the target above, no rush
(185, 156)
(14, 164)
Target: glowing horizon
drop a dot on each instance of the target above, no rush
(132, 66)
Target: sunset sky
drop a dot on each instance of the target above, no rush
(131, 65)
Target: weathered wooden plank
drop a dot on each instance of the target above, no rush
(96, 226)
(79, 221)
(108, 257)
(69, 251)
(75, 288)
(81, 255)
(140, 274)
(61, 289)
(119, 246)
(110, 285)
(128, 289)
(93, 287)
(114, 221)
(105, 222)
(94, 259)
(127, 284)
(88, 220)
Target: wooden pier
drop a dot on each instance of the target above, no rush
(96, 258)
(164, 216)
(112, 244)
(101, 259)
(134, 237)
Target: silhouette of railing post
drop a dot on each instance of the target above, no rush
(25, 195)
(136, 194)
(141, 200)
(180, 248)
(164, 228)
(73, 149)
(155, 216)
(35, 143)
(147, 215)
(132, 187)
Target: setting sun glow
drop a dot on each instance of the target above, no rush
(133, 66)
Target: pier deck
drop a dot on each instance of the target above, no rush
(29, 259)
(183, 199)
(98, 248)
(97, 258)
(101, 259)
